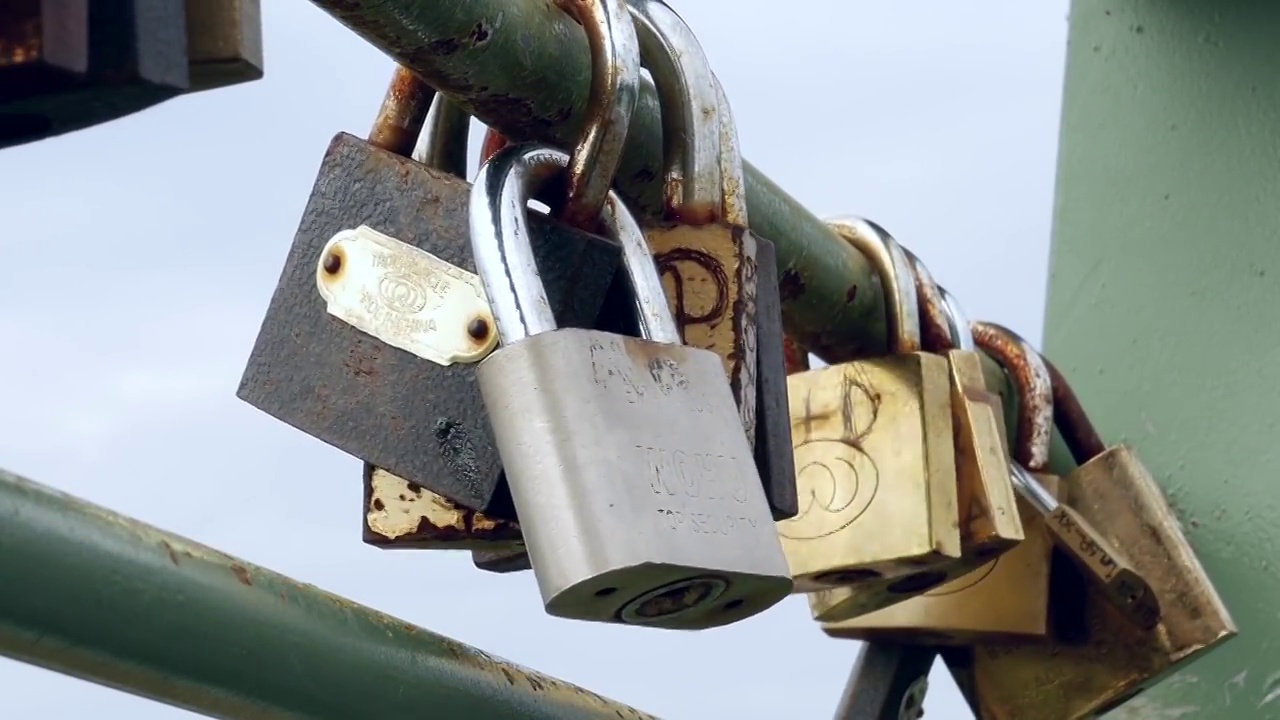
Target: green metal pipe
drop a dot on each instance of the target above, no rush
(105, 598)
(523, 68)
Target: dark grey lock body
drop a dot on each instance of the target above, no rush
(638, 495)
(422, 421)
(773, 448)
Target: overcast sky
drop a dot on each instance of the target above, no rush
(166, 232)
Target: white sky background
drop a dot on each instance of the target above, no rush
(141, 255)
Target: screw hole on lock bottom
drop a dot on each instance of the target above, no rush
(837, 578)
(606, 592)
(673, 600)
(918, 582)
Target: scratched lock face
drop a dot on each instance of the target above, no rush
(698, 286)
(836, 479)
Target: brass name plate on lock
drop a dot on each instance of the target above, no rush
(406, 297)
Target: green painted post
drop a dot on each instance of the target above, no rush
(1164, 292)
(105, 598)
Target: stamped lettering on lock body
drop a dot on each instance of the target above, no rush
(697, 489)
(405, 297)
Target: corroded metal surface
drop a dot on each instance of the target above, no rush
(178, 622)
(489, 54)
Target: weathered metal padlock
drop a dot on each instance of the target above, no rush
(1101, 563)
(1005, 597)
(65, 66)
(874, 454)
(224, 42)
(1116, 660)
(384, 368)
(636, 490)
(399, 514)
(703, 181)
(704, 249)
(990, 523)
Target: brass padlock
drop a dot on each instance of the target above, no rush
(1100, 561)
(701, 243)
(1117, 659)
(874, 455)
(1004, 597)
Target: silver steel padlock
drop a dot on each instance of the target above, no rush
(636, 489)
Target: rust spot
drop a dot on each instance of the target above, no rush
(790, 285)
(415, 488)
(173, 554)
(797, 360)
(1030, 378)
(403, 111)
(851, 295)
(241, 573)
(478, 329)
(379, 505)
(479, 34)
(1077, 430)
(333, 262)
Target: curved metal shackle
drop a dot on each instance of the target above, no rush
(1078, 432)
(444, 140)
(733, 181)
(890, 262)
(615, 88)
(936, 333)
(689, 103)
(957, 321)
(1031, 383)
(500, 241)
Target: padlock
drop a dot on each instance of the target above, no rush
(68, 64)
(702, 193)
(704, 249)
(773, 453)
(1007, 596)
(874, 454)
(224, 42)
(1116, 660)
(399, 514)
(636, 489)
(1102, 564)
(371, 338)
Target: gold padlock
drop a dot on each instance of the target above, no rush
(874, 456)
(1004, 597)
(1117, 659)
(1098, 559)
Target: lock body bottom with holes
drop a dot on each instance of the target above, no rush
(636, 488)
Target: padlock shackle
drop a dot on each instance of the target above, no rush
(615, 88)
(689, 108)
(443, 143)
(957, 321)
(1077, 430)
(1031, 383)
(402, 113)
(897, 280)
(733, 179)
(938, 331)
(504, 254)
